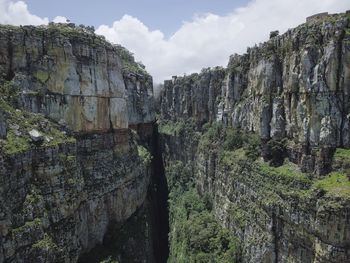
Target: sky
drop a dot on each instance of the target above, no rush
(179, 36)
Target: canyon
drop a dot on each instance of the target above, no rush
(247, 163)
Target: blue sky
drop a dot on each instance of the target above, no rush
(156, 14)
(179, 36)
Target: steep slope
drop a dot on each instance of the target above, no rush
(70, 167)
(286, 100)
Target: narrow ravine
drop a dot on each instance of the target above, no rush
(158, 194)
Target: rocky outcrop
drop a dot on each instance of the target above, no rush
(74, 77)
(293, 86)
(196, 96)
(70, 167)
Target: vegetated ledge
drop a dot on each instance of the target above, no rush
(263, 205)
(18, 125)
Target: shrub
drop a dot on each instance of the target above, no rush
(276, 151)
(144, 154)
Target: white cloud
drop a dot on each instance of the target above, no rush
(17, 13)
(209, 39)
(206, 40)
(60, 19)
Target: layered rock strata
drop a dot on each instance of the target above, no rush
(61, 194)
(294, 86)
(293, 92)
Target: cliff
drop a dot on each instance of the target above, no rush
(256, 155)
(294, 86)
(75, 77)
(266, 141)
(70, 167)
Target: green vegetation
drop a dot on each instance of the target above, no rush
(176, 128)
(46, 243)
(225, 141)
(239, 215)
(128, 60)
(288, 173)
(195, 236)
(8, 90)
(33, 198)
(342, 154)
(15, 144)
(42, 76)
(230, 158)
(335, 184)
(341, 160)
(20, 123)
(28, 226)
(277, 151)
(144, 154)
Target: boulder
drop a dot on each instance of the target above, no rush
(36, 136)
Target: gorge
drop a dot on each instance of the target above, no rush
(248, 163)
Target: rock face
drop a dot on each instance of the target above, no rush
(195, 96)
(293, 91)
(58, 202)
(275, 223)
(295, 85)
(73, 77)
(277, 214)
(70, 169)
(140, 100)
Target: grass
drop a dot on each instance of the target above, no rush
(287, 172)
(341, 153)
(26, 121)
(230, 158)
(15, 144)
(335, 184)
